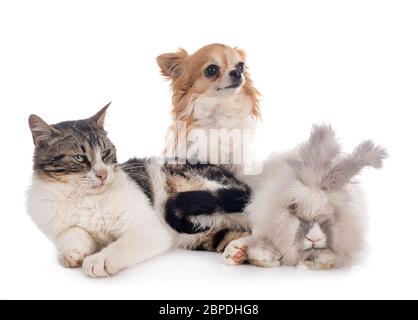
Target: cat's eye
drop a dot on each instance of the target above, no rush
(80, 158)
(212, 71)
(241, 66)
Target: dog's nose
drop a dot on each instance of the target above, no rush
(235, 74)
(102, 174)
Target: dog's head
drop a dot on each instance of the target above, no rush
(215, 70)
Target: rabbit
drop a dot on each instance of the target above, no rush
(309, 212)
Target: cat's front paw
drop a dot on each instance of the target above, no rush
(99, 266)
(74, 245)
(235, 253)
(72, 258)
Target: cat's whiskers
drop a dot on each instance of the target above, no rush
(136, 166)
(140, 175)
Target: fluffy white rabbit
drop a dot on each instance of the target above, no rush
(308, 211)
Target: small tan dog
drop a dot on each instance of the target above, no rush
(212, 90)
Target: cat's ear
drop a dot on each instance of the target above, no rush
(41, 131)
(171, 64)
(99, 117)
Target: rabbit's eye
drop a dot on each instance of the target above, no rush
(293, 208)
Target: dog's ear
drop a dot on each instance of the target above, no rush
(242, 53)
(171, 64)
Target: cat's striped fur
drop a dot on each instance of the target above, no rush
(199, 199)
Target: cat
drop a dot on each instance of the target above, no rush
(104, 216)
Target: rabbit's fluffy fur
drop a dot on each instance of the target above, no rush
(308, 211)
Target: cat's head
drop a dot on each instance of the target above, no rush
(76, 153)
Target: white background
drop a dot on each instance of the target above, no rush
(353, 64)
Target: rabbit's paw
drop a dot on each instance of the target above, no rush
(264, 257)
(324, 261)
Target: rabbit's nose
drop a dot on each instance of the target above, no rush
(315, 235)
(313, 241)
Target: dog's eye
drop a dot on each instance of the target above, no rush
(212, 71)
(241, 66)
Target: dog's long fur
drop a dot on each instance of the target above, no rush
(203, 102)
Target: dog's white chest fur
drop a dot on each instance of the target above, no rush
(223, 117)
(222, 112)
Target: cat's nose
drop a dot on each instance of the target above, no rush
(102, 174)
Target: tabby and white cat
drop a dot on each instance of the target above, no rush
(105, 217)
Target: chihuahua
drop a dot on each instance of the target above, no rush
(212, 92)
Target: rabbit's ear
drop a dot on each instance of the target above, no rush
(315, 156)
(366, 154)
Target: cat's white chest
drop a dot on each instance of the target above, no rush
(104, 216)
(97, 215)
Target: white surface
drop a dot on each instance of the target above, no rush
(350, 63)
